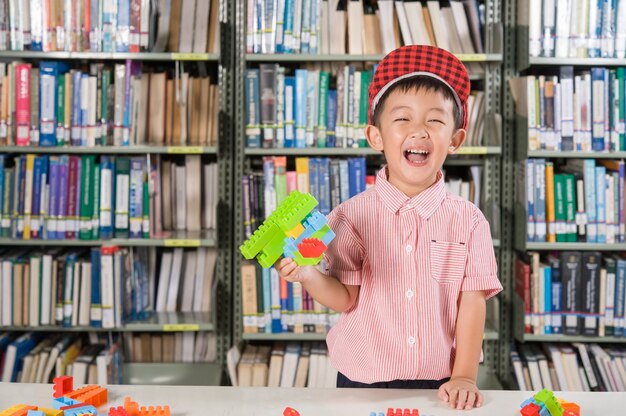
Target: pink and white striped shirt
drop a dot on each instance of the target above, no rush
(411, 258)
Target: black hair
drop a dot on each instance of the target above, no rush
(417, 83)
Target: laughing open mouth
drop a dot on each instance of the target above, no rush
(416, 156)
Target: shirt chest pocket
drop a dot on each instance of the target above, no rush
(447, 261)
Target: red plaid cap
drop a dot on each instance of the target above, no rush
(413, 60)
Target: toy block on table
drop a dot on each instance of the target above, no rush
(400, 412)
(290, 411)
(93, 395)
(60, 402)
(79, 409)
(544, 403)
(17, 410)
(286, 229)
(62, 386)
(118, 411)
(34, 413)
(50, 412)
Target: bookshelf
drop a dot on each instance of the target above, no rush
(487, 155)
(218, 321)
(528, 57)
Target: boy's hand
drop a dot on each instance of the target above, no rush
(461, 393)
(291, 272)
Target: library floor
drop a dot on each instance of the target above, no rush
(260, 401)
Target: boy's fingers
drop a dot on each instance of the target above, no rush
(460, 404)
(453, 394)
(471, 399)
(443, 394)
(479, 399)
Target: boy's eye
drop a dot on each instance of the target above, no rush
(401, 119)
(434, 120)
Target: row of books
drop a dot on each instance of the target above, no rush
(109, 25)
(575, 201)
(80, 197)
(569, 367)
(120, 105)
(361, 26)
(39, 357)
(575, 28)
(574, 112)
(103, 288)
(331, 181)
(303, 110)
(273, 305)
(281, 364)
(572, 293)
(179, 347)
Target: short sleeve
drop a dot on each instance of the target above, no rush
(344, 257)
(481, 271)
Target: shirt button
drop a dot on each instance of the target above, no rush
(411, 340)
(408, 248)
(409, 293)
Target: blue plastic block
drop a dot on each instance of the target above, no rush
(62, 401)
(328, 237)
(315, 220)
(527, 402)
(544, 412)
(35, 413)
(87, 408)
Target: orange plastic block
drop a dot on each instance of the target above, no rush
(154, 411)
(570, 409)
(131, 407)
(18, 410)
(93, 395)
(62, 386)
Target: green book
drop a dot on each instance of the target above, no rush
(559, 207)
(570, 208)
(104, 115)
(95, 216)
(322, 108)
(280, 178)
(9, 194)
(87, 192)
(60, 132)
(122, 193)
(363, 106)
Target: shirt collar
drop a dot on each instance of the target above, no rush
(426, 202)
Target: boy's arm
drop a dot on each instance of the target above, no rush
(325, 289)
(461, 391)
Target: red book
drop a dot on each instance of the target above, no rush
(22, 104)
(135, 26)
(522, 288)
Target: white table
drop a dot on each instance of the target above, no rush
(222, 401)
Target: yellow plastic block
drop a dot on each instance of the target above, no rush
(295, 232)
(17, 410)
(51, 412)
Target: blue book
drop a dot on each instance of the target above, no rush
(597, 108)
(53, 199)
(314, 39)
(301, 107)
(43, 214)
(595, 30)
(267, 299)
(20, 194)
(48, 82)
(547, 300)
(620, 288)
(556, 305)
(96, 295)
(305, 36)
(291, 311)
(324, 185)
(601, 204)
(76, 89)
(287, 41)
(122, 31)
(35, 211)
(314, 184)
(529, 172)
(331, 119)
(107, 190)
(344, 180)
(253, 112)
(290, 111)
(361, 172)
(137, 172)
(16, 351)
(275, 301)
(63, 196)
(589, 177)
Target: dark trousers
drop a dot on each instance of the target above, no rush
(343, 381)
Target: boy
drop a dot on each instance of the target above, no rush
(411, 266)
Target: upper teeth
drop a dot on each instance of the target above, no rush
(423, 152)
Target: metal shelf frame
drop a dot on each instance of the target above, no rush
(489, 157)
(112, 150)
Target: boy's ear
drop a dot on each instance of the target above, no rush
(374, 138)
(457, 140)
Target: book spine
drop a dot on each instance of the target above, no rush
(86, 197)
(38, 191)
(22, 104)
(95, 212)
(253, 117)
(571, 277)
(96, 290)
(122, 185)
(590, 293)
(137, 168)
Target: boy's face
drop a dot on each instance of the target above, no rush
(416, 131)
